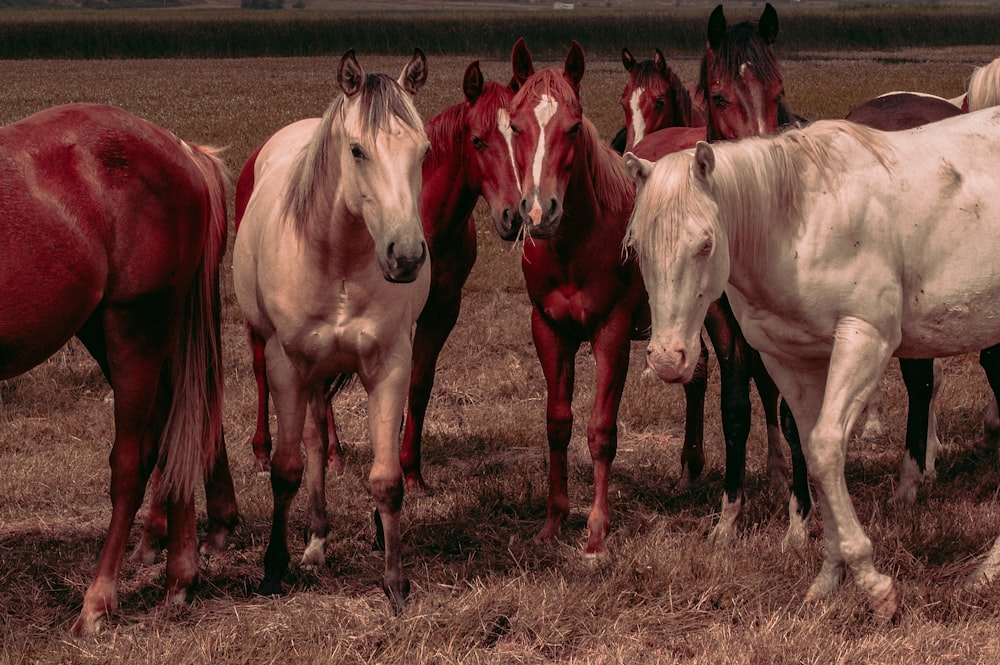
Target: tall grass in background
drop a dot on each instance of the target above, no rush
(236, 33)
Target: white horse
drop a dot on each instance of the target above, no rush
(328, 271)
(838, 248)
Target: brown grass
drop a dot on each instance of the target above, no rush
(483, 591)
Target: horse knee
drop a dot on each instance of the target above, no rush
(387, 493)
(602, 440)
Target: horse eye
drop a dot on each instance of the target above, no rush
(720, 101)
(706, 247)
(357, 152)
(574, 130)
(661, 104)
(478, 143)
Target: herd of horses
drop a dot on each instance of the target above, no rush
(809, 253)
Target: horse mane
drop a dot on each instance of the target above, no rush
(758, 183)
(381, 99)
(444, 131)
(611, 182)
(741, 46)
(983, 90)
(645, 72)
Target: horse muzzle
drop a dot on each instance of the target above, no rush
(540, 222)
(671, 362)
(508, 223)
(402, 264)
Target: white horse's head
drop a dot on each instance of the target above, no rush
(683, 254)
(381, 152)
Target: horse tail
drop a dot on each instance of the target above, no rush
(192, 437)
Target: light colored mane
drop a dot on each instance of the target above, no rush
(309, 186)
(984, 86)
(758, 185)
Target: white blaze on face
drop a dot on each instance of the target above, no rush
(503, 124)
(755, 104)
(638, 122)
(544, 112)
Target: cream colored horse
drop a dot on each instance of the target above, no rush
(329, 271)
(839, 246)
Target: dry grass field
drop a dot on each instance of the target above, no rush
(483, 590)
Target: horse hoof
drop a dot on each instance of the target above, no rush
(270, 588)
(397, 597)
(886, 608)
(144, 553)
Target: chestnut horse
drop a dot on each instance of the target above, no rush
(576, 203)
(113, 232)
(469, 158)
(334, 202)
(654, 98)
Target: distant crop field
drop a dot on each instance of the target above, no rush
(483, 590)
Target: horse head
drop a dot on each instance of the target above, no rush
(545, 121)
(653, 98)
(485, 150)
(381, 150)
(740, 79)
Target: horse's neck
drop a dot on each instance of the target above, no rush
(447, 199)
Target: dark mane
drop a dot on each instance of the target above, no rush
(742, 45)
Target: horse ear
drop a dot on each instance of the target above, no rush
(473, 83)
(704, 161)
(573, 70)
(521, 63)
(768, 24)
(350, 76)
(414, 74)
(717, 28)
(627, 59)
(638, 169)
(661, 63)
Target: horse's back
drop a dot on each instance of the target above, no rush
(90, 215)
(902, 110)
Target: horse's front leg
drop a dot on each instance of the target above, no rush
(922, 378)
(286, 462)
(314, 436)
(611, 345)
(386, 400)
(433, 327)
(989, 360)
(734, 356)
(557, 355)
(860, 355)
(693, 452)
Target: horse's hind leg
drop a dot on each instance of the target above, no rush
(122, 348)
(220, 504)
(315, 438)
(261, 441)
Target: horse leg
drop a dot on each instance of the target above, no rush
(153, 539)
(286, 462)
(800, 502)
(220, 504)
(918, 377)
(121, 343)
(317, 534)
(872, 416)
(557, 356)
(734, 356)
(860, 355)
(777, 466)
(386, 398)
(693, 453)
(334, 451)
(433, 327)
(261, 441)
(611, 346)
(989, 360)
